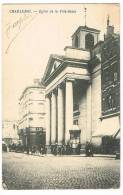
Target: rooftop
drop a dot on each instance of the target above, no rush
(31, 87)
(86, 28)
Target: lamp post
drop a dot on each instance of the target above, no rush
(28, 139)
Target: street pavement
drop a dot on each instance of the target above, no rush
(22, 171)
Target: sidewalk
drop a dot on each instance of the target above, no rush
(105, 155)
(81, 155)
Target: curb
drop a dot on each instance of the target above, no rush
(81, 155)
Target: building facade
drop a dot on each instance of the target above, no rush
(10, 132)
(109, 123)
(32, 115)
(75, 90)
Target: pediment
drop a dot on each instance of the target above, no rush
(53, 63)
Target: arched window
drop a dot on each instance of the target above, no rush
(76, 41)
(89, 41)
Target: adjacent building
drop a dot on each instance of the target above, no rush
(82, 100)
(32, 115)
(109, 120)
(10, 132)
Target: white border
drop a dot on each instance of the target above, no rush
(52, 192)
(59, 1)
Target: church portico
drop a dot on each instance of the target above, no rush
(57, 117)
(67, 107)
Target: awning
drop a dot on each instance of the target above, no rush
(107, 127)
(74, 127)
(117, 135)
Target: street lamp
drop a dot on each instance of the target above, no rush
(28, 139)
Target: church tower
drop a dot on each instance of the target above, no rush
(85, 38)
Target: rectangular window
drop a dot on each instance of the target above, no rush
(75, 122)
(106, 75)
(109, 103)
(115, 76)
(76, 107)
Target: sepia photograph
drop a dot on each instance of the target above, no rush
(60, 96)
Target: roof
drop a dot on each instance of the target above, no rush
(86, 28)
(31, 87)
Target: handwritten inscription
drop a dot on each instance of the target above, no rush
(14, 29)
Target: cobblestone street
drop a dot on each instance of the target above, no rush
(21, 171)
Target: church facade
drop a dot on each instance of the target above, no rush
(77, 95)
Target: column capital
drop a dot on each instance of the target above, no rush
(61, 85)
(90, 81)
(69, 80)
(55, 91)
(48, 95)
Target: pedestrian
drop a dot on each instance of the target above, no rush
(89, 149)
(59, 150)
(78, 148)
(27, 150)
(62, 150)
(68, 149)
(56, 149)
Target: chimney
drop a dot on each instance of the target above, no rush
(110, 29)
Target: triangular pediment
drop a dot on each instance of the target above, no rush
(53, 63)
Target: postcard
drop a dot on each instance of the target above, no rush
(61, 96)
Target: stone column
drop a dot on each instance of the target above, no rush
(48, 120)
(68, 108)
(60, 115)
(89, 113)
(53, 118)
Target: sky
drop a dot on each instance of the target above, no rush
(30, 38)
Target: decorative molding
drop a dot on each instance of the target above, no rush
(68, 62)
(68, 79)
(61, 85)
(109, 115)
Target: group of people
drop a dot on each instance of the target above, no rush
(60, 150)
(33, 149)
(65, 149)
(39, 149)
(16, 147)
